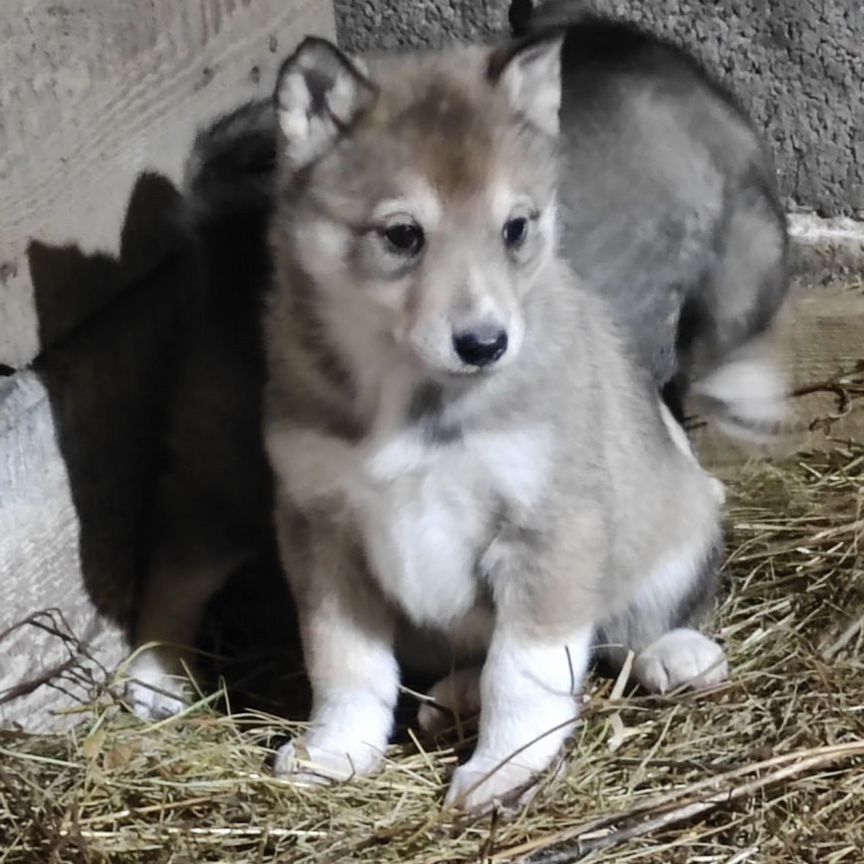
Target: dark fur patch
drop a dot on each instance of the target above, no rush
(427, 401)
(313, 338)
(345, 428)
(426, 411)
(672, 394)
(441, 434)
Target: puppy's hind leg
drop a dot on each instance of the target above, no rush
(659, 626)
(193, 555)
(173, 605)
(456, 699)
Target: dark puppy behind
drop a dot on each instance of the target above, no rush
(213, 509)
(671, 211)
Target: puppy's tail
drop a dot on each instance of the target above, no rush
(746, 397)
(231, 168)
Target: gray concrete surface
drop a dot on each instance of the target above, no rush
(798, 65)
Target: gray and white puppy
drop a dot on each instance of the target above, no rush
(472, 473)
(670, 210)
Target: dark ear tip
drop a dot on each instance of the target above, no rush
(319, 45)
(308, 45)
(502, 56)
(312, 48)
(311, 41)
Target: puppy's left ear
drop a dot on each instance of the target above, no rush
(529, 70)
(320, 92)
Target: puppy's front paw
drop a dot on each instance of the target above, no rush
(157, 686)
(309, 764)
(483, 783)
(681, 657)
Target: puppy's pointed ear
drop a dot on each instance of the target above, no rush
(320, 92)
(529, 70)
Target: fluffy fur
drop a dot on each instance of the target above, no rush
(428, 510)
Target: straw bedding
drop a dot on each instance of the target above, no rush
(768, 767)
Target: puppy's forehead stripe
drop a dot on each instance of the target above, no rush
(451, 134)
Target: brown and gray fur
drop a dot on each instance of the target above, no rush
(432, 511)
(671, 212)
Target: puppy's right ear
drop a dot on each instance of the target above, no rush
(529, 71)
(320, 92)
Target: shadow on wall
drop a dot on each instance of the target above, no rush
(112, 385)
(107, 383)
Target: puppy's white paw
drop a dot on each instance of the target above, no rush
(681, 656)
(483, 783)
(308, 764)
(458, 694)
(157, 687)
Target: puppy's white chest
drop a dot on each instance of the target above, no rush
(423, 529)
(427, 513)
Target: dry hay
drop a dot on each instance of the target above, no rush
(768, 767)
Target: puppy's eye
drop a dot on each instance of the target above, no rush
(405, 238)
(514, 232)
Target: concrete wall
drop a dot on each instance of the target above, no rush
(797, 64)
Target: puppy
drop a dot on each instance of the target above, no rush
(473, 473)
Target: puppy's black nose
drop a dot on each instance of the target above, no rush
(481, 346)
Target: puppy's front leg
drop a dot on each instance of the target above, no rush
(535, 666)
(347, 632)
(528, 709)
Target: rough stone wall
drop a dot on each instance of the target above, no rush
(798, 65)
